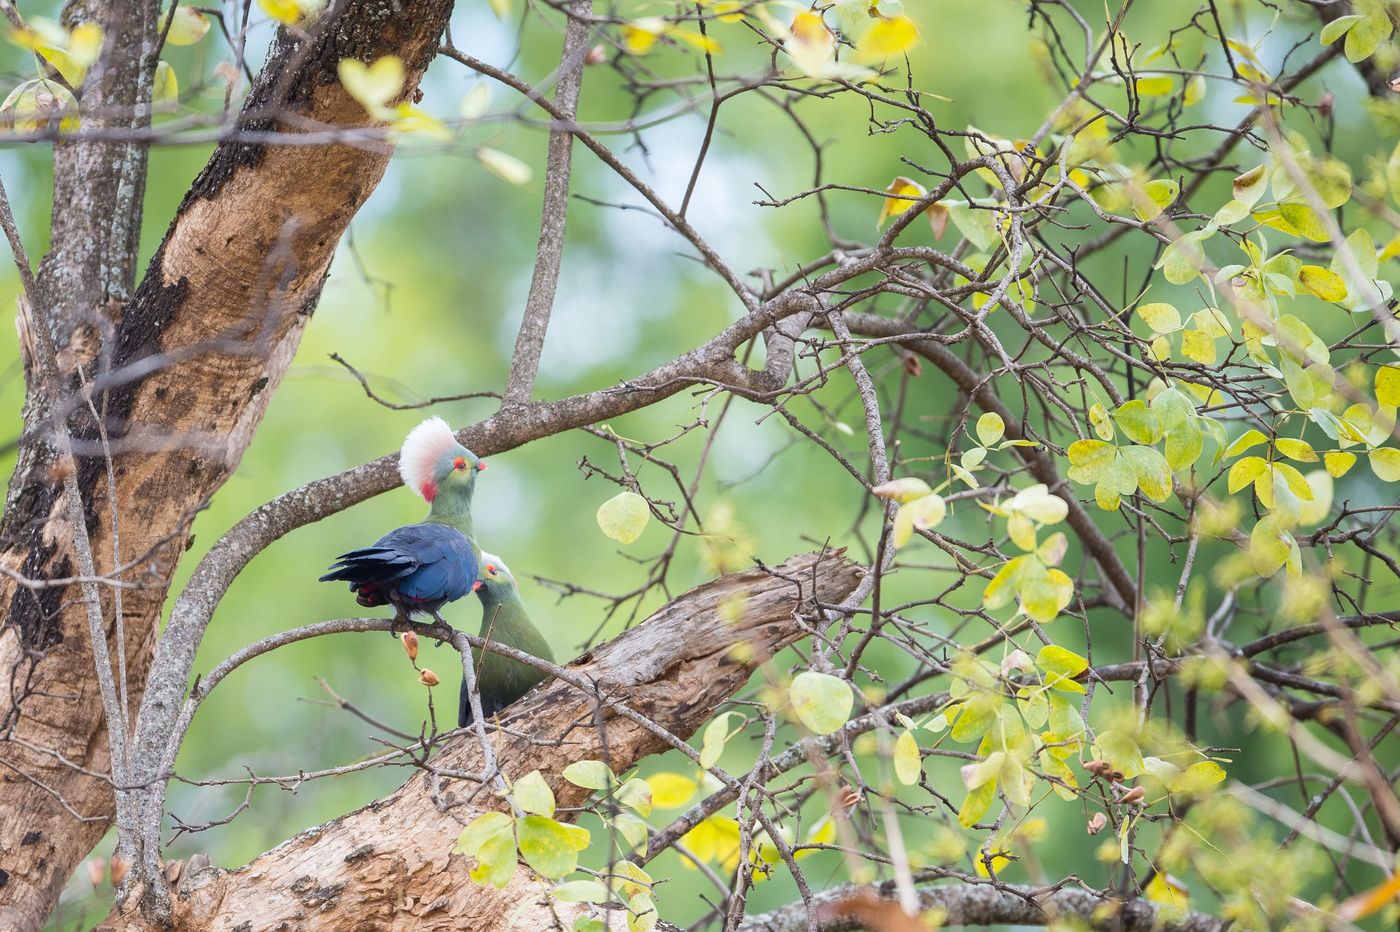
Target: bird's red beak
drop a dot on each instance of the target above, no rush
(480, 465)
(476, 585)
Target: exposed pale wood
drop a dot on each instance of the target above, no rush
(390, 865)
(199, 351)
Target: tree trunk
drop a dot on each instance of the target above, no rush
(187, 375)
(390, 865)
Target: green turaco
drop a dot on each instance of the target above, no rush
(504, 620)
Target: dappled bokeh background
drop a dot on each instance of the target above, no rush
(424, 298)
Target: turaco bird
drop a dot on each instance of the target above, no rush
(421, 567)
(501, 680)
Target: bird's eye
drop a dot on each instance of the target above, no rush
(491, 568)
(459, 463)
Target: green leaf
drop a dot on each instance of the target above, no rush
(920, 514)
(1385, 463)
(532, 794)
(165, 87)
(589, 774)
(1194, 91)
(1184, 447)
(977, 803)
(822, 702)
(1161, 317)
(1305, 221)
(631, 827)
(902, 490)
(504, 166)
(1245, 471)
(908, 764)
(188, 26)
(671, 790)
(1388, 386)
(1338, 464)
(715, 736)
(1118, 481)
(1337, 28)
(1100, 421)
(480, 829)
(495, 860)
(1045, 592)
(635, 794)
(1061, 666)
(1090, 459)
(1250, 438)
(1324, 283)
(1249, 187)
(547, 846)
(624, 516)
(990, 428)
(1137, 420)
(580, 891)
(1364, 37)
(1154, 476)
(641, 913)
(1156, 195)
(1121, 751)
(1199, 776)
(1183, 259)
(1269, 546)
(1159, 85)
(1299, 450)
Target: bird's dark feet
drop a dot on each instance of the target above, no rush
(400, 623)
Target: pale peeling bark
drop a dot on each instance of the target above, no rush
(390, 865)
(194, 360)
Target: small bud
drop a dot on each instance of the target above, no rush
(1017, 660)
(1325, 102)
(596, 56)
(847, 798)
(410, 644)
(1098, 768)
(1133, 796)
(96, 870)
(428, 677)
(1097, 823)
(913, 366)
(1114, 776)
(118, 868)
(1394, 83)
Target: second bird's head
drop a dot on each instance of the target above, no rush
(433, 462)
(495, 578)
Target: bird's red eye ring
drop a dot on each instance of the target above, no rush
(491, 568)
(459, 463)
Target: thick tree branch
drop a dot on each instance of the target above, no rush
(987, 905)
(391, 863)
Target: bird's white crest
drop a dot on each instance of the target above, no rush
(423, 449)
(498, 563)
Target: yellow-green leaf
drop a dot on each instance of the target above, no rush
(1364, 37)
(1090, 459)
(624, 517)
(533, 795)
(1245, 471)
(887, 38)
(990, 428)
(188, 26)
(1337, 28)
(976, 804)
(1161, 317)
(671, 790)
(547, 846)
(1298, 450)
(920, 514)
(908, 764)
(1100, 421)
(822, 702)
(373, 85)
(1388, 386)
(589, 774)
(1269, 546)
(504, 166)
(1385, 463)
(1250, 186)
(1324, 283)
(903, 194)
(1338, 464)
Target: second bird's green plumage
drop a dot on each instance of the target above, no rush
(504, 620)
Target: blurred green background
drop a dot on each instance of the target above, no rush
(425, 297)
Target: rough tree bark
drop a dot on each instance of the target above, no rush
(390, 865)
(188, 371)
